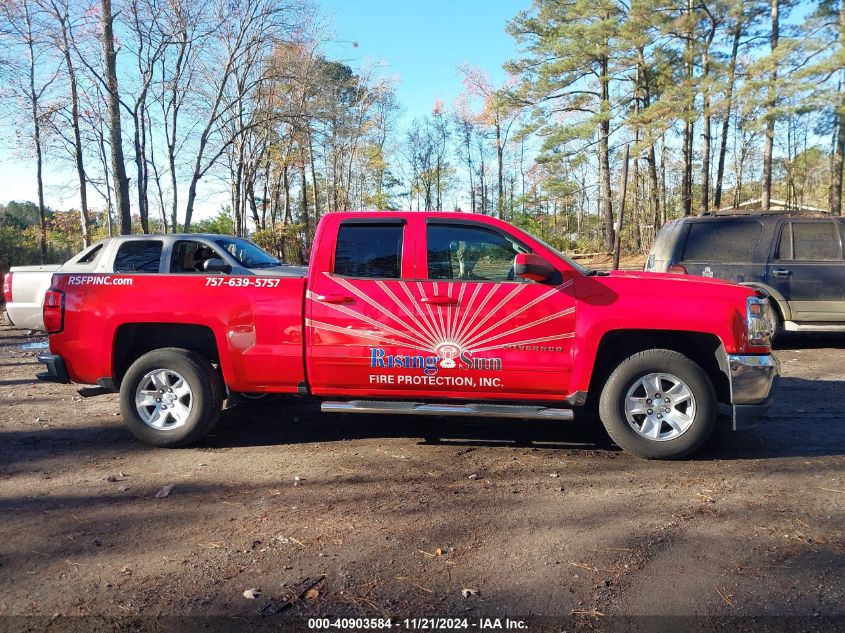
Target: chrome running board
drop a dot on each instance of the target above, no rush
(468, 409)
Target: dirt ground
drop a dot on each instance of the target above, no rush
(403, 517)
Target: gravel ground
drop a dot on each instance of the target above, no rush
(400, 517)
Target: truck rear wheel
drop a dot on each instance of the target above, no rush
(171, 397)
(658, 404)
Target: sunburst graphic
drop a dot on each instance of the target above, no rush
(477, 322)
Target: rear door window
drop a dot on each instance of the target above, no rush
(734, 242)
(369, 250)
(138, 256)
(470, 253)
(810, 241)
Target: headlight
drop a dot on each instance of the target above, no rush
(759, 322)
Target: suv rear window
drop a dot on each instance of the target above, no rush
(721, 241)
(138, 256)
(369, 250)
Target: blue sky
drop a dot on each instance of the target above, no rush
(421, 42)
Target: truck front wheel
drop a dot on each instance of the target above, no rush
(171, 397)
(658, 404)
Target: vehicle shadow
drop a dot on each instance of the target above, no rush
(804, 421)
(260, 424)
(799, 341)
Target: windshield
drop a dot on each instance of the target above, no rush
(248, 254)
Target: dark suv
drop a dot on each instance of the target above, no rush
(797, 260)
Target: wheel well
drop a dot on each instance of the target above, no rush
(133, 340)
(704, 349)
(776, 300)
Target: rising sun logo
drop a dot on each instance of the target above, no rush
(484, 318)
(448, 351)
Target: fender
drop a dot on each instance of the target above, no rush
(783, 304)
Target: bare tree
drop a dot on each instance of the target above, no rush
(142, 18)
(30, 80)
(121, 182)
(247, 31)
(60, 11)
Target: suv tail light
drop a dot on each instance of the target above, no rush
(54, 311)
(7, 288)
(759, 323)
(677, 269)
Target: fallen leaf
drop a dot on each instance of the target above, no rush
(165, 491)
(252, 594)
(312, 594)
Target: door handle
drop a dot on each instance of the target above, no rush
(333, 298)
(781, 272)
(440, 300)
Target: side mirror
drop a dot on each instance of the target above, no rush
(216, 265)
(533, 267)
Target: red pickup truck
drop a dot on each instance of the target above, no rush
(416, 313)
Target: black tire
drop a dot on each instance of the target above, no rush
(632, 369)
(777, 321)
(207, 394)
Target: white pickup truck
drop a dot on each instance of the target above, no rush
(23, 289)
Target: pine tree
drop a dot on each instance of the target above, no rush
(566, 76)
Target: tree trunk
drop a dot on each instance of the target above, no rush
(726, 122)
(689, 69)
(305, 218)
(314, 178)
(499, 160)
(101, 140)
(768, 144)
(157, 178)
(36, 128)
(654, 188)
(605, 206)
(664, 211)
(253, 206)
(706, 115)
(686, 179)
(836, 168)
(635, 212)
(77, 141)
(140, 183)
(121, 182)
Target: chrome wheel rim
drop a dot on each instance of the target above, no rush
(660, 407)
(164, 399)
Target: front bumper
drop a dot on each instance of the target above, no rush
(56, 370)
(752, 379)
